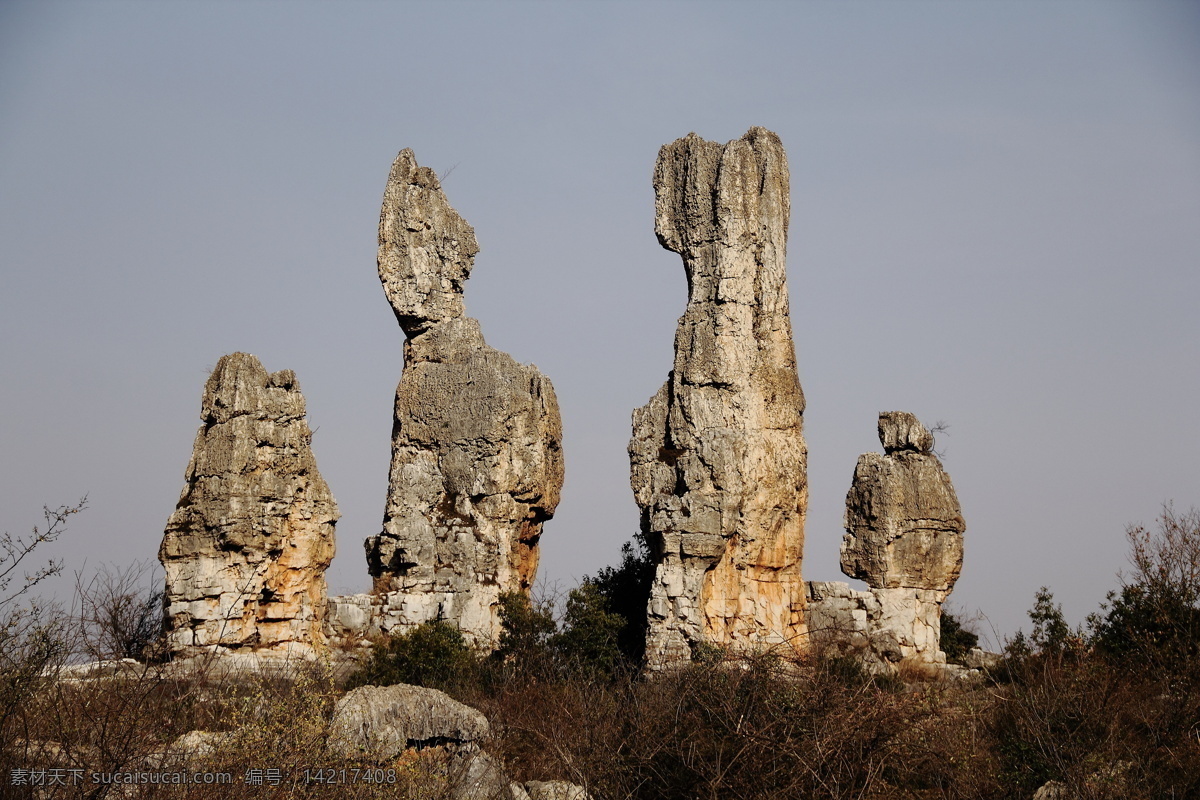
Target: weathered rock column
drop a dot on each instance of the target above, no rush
(718, 458)
(477, 440)
(246, 549)
(904, 537)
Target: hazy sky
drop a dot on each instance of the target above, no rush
(995, 223)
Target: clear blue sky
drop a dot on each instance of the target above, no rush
(995, 222)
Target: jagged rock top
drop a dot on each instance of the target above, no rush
(240, 385)
(900, 430)
(426, 250)
(718, 461)
(709, 196)
(477, 438)
(246, 549)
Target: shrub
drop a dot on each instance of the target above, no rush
(956, 641)
(1154, 620)
(1051, 633)
(121, 612)
(626, 587)
(528, 627)
(589, 638)
(33, 635)
(433, 654)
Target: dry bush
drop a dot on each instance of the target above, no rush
(1102, 731)
(274, 728)
(120, 612)
(1114, 712)
(571, 728)
(745, 728)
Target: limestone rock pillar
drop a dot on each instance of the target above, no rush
(904, 537)
(477, 439)
(718, 458)
(246, 549)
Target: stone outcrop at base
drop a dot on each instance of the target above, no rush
(881, 627)
(718, 458)
(477, 439)
(246, 549)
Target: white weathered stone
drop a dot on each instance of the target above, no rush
(882, 627)
(718, 458)
(904, 526)
(904, 537)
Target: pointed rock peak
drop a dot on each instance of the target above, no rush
(246, 549)
(900, 430)
(426, 250)
(240, 385)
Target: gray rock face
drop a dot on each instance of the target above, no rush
(904, 526)
(246, 549)
(718, 458)
(378, 723)
(477, 441)
(904, 537)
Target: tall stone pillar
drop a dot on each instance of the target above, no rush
(246, 549)
(718, 457)
(477, 440)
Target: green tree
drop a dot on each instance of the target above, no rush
(528, 628)
(433, 654)
(588, 640)
(1051, 633)
(1155, 617)
(626, 588)
(956, 640)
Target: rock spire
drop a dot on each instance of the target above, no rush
(477, 439)
(904, 537)
(718, 457)
(246, 549)
(904, 526)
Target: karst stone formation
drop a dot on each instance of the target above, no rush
(718, 458)
(476, 443)
(718, 461)
(246, 549)
(904, 537)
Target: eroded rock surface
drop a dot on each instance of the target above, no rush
(880, 627)
(476, 444)
(246, 549)
(718, 458)
(378, 723)
(904, 526)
